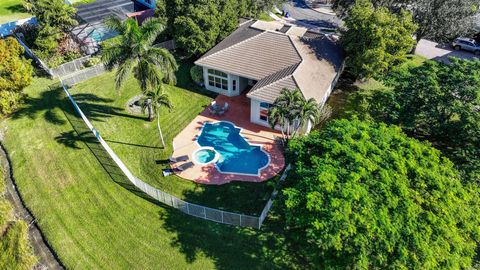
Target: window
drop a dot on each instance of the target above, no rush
(234, 87)
(218, 79)
(264, 109)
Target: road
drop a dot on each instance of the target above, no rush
(440, 52)
(299, 11)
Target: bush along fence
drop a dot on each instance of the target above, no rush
(73, 72)
(195, 210)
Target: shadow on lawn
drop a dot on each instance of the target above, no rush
(227, 246)
(54, 98)
(18, 8)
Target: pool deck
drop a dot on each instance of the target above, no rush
(239, 114)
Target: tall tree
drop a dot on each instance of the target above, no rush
(15, 74)
(376, 39)
(197, 25)
(438, 102)
(363, 195)
(54, 18)
(439, 20)
(153, 102)
(133, 52)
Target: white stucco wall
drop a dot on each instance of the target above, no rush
(255, 113)
(240, 82)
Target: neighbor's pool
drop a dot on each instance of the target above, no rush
(236, 155)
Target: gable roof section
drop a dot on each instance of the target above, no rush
(322, 60)
(254, 58)
(242, 33)
(269, 88)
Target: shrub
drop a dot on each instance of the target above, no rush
(93, 61)
(196, 72)
(363, 195)
(16, 74)
(15, 251)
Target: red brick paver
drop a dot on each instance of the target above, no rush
(238, 114)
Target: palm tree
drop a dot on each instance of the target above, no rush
(133, 52)
(307, 111)
(292, 112)
(153, 101)
(283, 111)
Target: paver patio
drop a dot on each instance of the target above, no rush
(239, 114)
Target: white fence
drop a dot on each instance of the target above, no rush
(195, 210)
(83, 75)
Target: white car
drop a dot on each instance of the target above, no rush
(466, 44)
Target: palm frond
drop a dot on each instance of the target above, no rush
(166, 62)
(151, 29)
(115, 24)
(123, 72)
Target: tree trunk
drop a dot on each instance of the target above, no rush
(160, 130)
(150, 110)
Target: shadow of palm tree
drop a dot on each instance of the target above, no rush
(95, 108)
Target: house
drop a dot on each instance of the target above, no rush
(260, 59)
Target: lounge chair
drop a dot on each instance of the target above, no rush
(178, 159)
(212, 111)
(185, 166)
(214, 105)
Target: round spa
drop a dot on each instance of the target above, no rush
(205, 155)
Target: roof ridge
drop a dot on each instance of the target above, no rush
(275, 81)
(235, 45)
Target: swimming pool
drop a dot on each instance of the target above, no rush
(236, 154)
(100, 34)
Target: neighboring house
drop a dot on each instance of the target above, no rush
(265, 57)
(147, 3)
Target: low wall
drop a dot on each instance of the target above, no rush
(70, 67)
(83, 75)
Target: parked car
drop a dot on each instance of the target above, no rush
(466, 44)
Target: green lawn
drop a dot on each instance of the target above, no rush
(93, 219)
(12, 10)
(136, 141)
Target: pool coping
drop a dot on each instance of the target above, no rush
(246, 140)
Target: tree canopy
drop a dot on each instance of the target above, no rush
(363, 195)
(198, 25)
(15, 74)
(438, 102)
(439, 20)
(376, 39)
(54, 18)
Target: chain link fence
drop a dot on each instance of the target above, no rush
(191, 209)
(83, 75)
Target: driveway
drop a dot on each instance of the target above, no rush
(440, 52)
(302, 13)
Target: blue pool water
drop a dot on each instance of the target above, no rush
(205, 156)
(236, 154)
(101, 34)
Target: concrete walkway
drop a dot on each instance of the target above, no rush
(440, 52)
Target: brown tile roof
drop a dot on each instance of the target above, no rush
(256, 57)
(278, 60)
